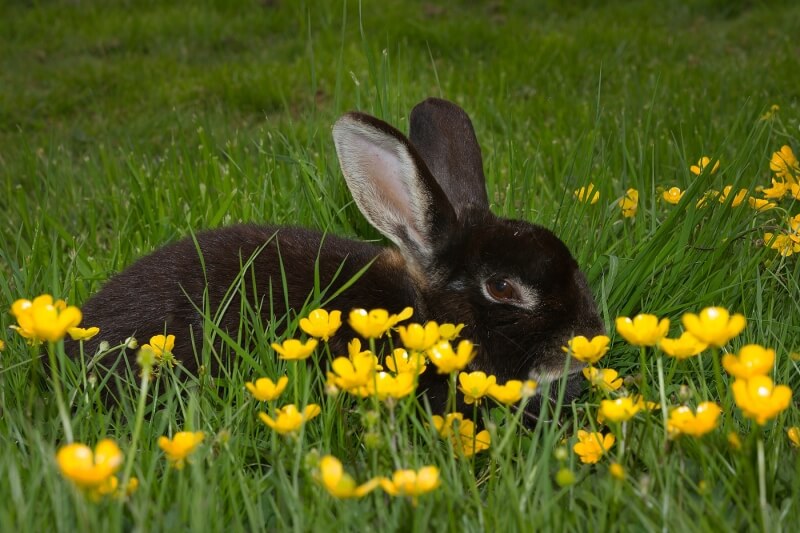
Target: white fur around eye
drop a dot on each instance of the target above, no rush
(528, 297)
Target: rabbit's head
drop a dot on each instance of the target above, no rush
(514, 284)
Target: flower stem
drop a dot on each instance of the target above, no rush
(62, 408)
(137, 428)
(662, 394)
(643, 366)
(762, 483)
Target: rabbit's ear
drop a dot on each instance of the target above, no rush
(443, 135)
(392, 186)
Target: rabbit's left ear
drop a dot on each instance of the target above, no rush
(443, 135)
(393, 187)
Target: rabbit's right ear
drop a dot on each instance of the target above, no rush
(392, 186)
(443, 135)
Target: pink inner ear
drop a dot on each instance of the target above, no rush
(390, 180)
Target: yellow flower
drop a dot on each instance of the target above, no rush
(475, 385)
(714, 325)
(2, 345)
(588, 194)
(160, 345)
(181, 446)
(760, 399)
(702, 164)
(83, 334)
(784, 164)
(412, 482)
(44, 320)
(606, 379)
(338, 483)
(643, 330)
(672, 195)
(402, 362)
(785, 245)
(682, 421)
(447, 360)
(794, 228)
(585, 350)
(265, 390)
(737, 200)
(321, 324)
(449, 332)
(620, 409)
(288, 418)
(617, 471)
(760, 205)
(734, 441)
(375, 323)
(294, 350)
(778, 190)
(444, 426)
(353, 375)
(794, 436)
(708, 195)
(753, 360)
(511, 391)
(418, 337)
(629, 203)
(591, 446)
(386, 385)
(685, 346)
(461, 434)
(86, 468)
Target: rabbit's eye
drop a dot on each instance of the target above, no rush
(501, 290)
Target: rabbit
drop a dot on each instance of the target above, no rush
(514, 285)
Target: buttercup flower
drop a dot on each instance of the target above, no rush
(83, 334)
(778, 190)
(511, 391)
(375, 323)
(753, 360)
(418, 337)
(588, 194)
(585, 350)
(714, 325)
(760, 205)
(606, 379)
(702, 164)
(444, 426)
(160, 345)
(685, 346)
(643, 330)
(447, 360)
(467, 442)
(737, 200)
(785, 245)
(412, 482)
(288, 419)
(449, 332)
(475, 385)
(180, 446)
(682, 421)
(265, 390)
(672, 195)
(86, 468)
(338, 483)
(403, 362)
(321, 324)
(794, 436)
(760, 399)
(617, 471)
(619, 410)
(629, 203)
(294, 350)
(591, 446)
(353, 375)
(44, 320)
(784, 164)
(386, 385)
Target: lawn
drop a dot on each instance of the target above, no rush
(128, 125)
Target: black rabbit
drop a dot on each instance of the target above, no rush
(514, 284)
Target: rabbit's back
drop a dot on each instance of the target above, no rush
(165, 292)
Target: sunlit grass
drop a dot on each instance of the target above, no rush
(126, 127)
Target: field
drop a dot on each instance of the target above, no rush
(128, 125)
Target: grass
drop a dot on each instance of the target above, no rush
(128, 125)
